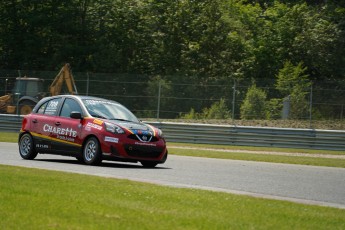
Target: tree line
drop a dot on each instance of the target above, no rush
(183, 41)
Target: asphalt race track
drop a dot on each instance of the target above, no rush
(304, 184)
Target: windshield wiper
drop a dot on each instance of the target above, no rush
(97, 115)
(119, 119)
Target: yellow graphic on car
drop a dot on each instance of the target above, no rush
(98, 122)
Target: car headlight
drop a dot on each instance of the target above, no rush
(113, 128)
(160, 133)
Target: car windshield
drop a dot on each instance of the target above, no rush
(108, 110)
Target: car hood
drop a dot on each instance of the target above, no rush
(132, 125)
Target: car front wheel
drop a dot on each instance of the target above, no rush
(149, 164)
(26, 147)
(92, 152)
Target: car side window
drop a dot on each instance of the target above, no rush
(68, 106)
(52, 107)
(42, 108)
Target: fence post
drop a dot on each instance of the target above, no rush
(159, 98)
(87, 84)
(311, 105)
(17, 94)
(6, 82)
(233, 102)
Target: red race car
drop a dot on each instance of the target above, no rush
(91, 129)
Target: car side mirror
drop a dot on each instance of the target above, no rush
(76, 115)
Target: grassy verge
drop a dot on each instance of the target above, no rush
(251, 148)
(8, 137)
(302, 160)
(249, 156)
(261, 157)
(41, 199)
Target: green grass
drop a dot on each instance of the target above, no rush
(41, 199)
(260, 157)
(9, 137)
(252, 148)
(302, 160)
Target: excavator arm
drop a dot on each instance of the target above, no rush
(65, 75)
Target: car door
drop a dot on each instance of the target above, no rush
(67, 137)
(43, 125)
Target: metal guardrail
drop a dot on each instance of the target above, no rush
(231, 135)
(253, 136)
(10, 123)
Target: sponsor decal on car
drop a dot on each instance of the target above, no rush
(65, 138)
(90, 125)
(42, 146)
(95, 102)
(143, 135)
(60, 131)
(111, 139)
(98, 122)
(142, 132)
(145, 143)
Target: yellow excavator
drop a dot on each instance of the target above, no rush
(65, 75)
(28, 91)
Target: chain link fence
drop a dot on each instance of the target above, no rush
(159, 98)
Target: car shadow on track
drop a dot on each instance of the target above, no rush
(104, 164)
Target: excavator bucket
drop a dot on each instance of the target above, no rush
(4, 102)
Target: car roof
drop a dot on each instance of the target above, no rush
(77, 97)
(81, 97)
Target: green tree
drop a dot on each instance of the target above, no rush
(254, 104)
(44, 34)
(274, 108)
(218, 110)
(292, 81)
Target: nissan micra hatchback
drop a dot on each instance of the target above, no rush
(90, 129)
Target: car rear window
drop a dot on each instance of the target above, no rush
(49, 107)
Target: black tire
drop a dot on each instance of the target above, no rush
(80, 159)
(26, 147)
(92, 154)
(149, 164)
(26, 107)
(164, 158)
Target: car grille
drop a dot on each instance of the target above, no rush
(134, 137)
(143, 151)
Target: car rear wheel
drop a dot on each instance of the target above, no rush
(92, 151)
(26, 147)
(80, 159)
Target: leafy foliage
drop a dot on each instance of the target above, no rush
(293, 82)
(254, 105)
(218, 110)
(183, 42)
(274, 109)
